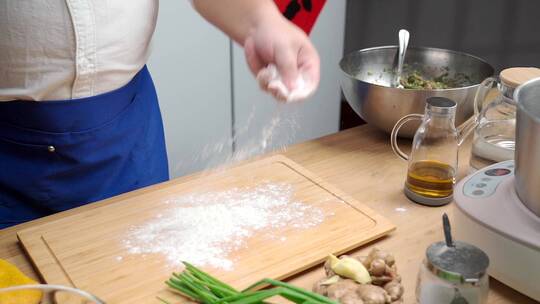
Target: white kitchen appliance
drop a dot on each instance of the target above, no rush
(498, 207)
(490, 215)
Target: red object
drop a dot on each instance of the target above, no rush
(303, 13)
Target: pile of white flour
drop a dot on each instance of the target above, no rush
(205, 228)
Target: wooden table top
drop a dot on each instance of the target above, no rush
(360, 162)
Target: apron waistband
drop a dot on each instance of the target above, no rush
(71, 115)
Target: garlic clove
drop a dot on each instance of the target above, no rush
(350, 268)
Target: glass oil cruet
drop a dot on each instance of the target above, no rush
(495, 117)
(433, 161)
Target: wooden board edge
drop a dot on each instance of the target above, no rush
(362, 208)
(382, 226)
(51, 260)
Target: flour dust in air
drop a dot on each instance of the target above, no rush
(205, 228)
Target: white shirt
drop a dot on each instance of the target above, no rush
(67, 49)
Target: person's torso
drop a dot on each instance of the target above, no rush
(67, 49)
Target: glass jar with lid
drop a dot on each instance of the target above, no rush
(495, 115)
(453, 272)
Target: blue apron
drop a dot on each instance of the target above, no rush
(57, 155)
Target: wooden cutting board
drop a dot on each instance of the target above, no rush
(83, 250)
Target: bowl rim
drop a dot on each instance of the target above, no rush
(416, 48)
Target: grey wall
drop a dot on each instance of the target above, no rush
(504, 32)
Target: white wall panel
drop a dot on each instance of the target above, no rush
(254, 111)
(190, 65)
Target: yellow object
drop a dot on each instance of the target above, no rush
(350, 268)
(12, 276)
(330, 281)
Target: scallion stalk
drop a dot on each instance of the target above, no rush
(204, 288)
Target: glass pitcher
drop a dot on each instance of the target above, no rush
(494, 135)
(495, 116)
(433, 161)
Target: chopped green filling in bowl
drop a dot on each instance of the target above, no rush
(415, 80)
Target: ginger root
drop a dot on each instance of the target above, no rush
(320, 288)
(379, 254)
(382, 267)
(351, 298)
(385, 283)
(338, 290)
(347, 291)
(377, 267)
(394, 290)
(371, 294)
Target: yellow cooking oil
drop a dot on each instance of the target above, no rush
(431, 178)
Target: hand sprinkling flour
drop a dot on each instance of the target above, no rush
(270, 80)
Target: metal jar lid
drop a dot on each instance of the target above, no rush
(462, 263)
(455, 261)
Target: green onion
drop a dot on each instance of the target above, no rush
(204, 288)
(206, 277)
(310, 294)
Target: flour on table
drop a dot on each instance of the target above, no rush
(204, 228)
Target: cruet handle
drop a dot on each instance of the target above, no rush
(395, 131)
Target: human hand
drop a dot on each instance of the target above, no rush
(274, 41)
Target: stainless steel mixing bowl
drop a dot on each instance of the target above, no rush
(367, 75)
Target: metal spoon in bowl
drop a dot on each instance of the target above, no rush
(403, 43)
